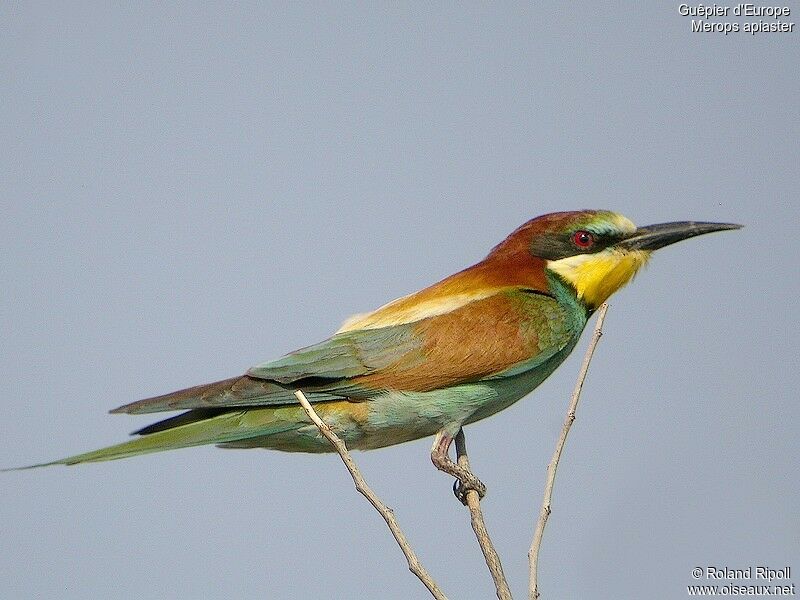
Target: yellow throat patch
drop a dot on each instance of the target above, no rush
(596, 276)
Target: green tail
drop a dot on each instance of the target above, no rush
(225, 427)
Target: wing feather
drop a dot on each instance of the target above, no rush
(506, 333)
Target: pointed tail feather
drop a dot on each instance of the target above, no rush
(206, 394)
(236, 392)
(226, 427)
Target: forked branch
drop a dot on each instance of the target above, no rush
(473, 501)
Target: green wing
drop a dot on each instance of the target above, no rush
(345, 355)
(502, 335)
(323, 371)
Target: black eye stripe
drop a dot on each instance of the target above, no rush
(554, 246)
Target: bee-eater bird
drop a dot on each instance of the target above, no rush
(427, 363)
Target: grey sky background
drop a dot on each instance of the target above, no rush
(190, 190)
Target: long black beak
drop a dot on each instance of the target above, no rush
(654, 237)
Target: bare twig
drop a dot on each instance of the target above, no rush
(388, 515)
(544, 513)
(479, 526)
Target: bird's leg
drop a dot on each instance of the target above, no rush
(466, 480)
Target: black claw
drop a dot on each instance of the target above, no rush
(460, 492)
(461, 488)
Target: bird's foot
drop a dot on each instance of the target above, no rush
(472, 483)
(465, 479)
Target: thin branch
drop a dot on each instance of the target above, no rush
(544, 513)
(388, 515)
(479, 526)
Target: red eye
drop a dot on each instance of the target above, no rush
(583, 239)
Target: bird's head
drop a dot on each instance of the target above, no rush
(597, 252)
